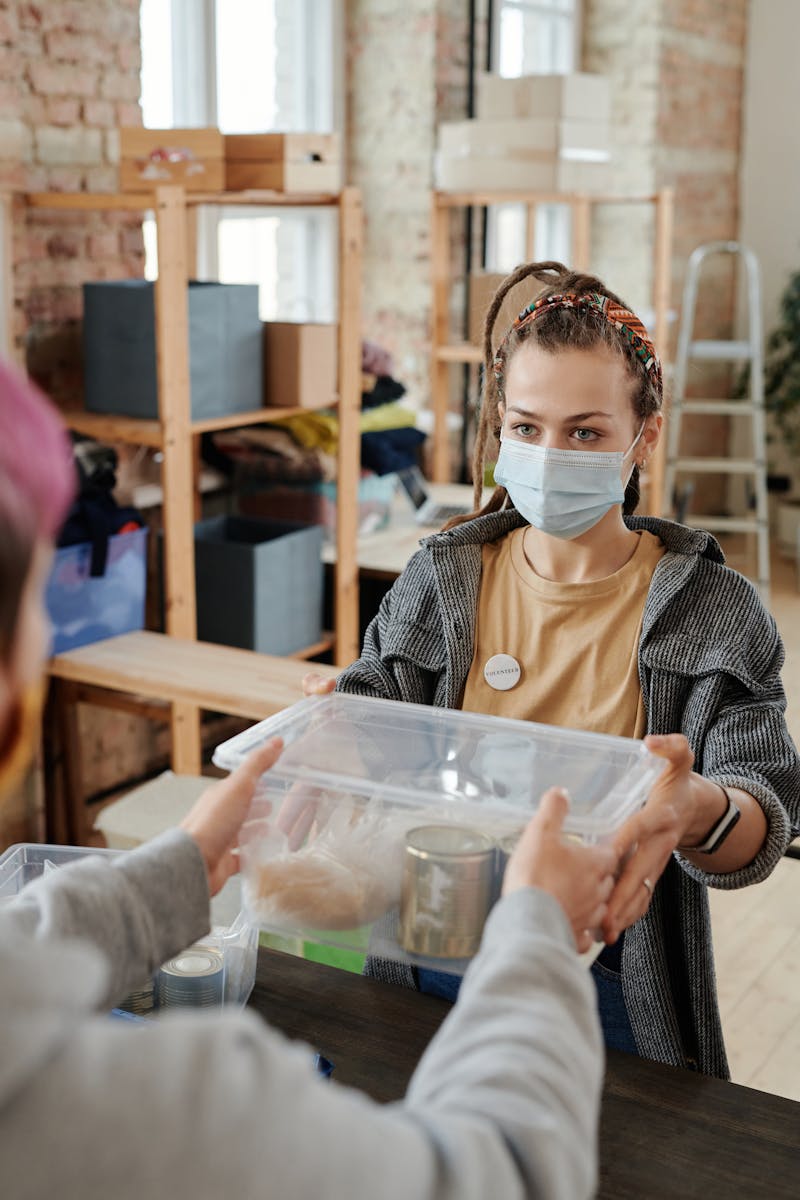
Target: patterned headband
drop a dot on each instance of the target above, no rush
(621, 318)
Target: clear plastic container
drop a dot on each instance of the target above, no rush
(375, 820)
(236, 944)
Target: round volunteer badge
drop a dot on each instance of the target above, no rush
(502, 672)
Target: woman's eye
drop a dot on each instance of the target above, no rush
(585, 435)
(524, 430)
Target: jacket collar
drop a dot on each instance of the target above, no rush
(456, 560)
(678, 539)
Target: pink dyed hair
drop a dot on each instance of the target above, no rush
(37, 483)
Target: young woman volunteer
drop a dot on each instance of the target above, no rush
(552, 603)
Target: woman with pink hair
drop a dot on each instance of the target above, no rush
(504, 1102)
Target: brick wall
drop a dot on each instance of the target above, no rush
(677, 69)
(69, 75)
(698, 141)
(621, 41)
(677, 74)
(391, 119)
(698, 137)
(406, 71)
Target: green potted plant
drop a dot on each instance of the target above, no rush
(782, 400)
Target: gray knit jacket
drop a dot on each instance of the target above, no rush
(709, 661)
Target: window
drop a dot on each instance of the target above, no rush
(532, 37)
(250, 66)
(536, 36)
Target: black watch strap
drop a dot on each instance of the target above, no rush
(721, 830)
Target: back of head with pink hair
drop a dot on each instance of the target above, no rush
(37, 482)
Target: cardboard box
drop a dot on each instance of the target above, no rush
(119, 348)
(580, 96)
(193, 158)
(300, 364)
(259, 583)
(521, 138)
(482, 287)
(534, 173)
(283, 162)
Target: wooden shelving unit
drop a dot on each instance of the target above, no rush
(177, 436)
(445, 352)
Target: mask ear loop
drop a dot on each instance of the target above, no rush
(635, 440)
(630, 448)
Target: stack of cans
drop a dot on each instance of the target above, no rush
(141, 1000)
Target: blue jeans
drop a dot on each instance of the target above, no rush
(617, 1030)
(439, 983)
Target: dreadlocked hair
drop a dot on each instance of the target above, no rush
(560, 328)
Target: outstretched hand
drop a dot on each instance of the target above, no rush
(215, 820)
(317, 685)
(581, 878)
(647, 839)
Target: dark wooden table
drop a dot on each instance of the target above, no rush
(664, 1134)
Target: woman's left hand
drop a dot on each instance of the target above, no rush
(647, 839)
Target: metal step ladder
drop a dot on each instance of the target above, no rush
(749, 352)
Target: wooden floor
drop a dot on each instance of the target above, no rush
(757, 930)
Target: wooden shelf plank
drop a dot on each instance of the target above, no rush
(326, 642)
(144, 201)
(92, 201)
(488, 196)
(459, 352)
(107, 428)
(265, 199)
(198, 674)
(259, 416)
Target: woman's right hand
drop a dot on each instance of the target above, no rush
(581, 878)
(317, 685)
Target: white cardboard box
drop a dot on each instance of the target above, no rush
(546, 173)
(579, 95)
(576, 140)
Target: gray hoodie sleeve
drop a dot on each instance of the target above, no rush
(504, 1102)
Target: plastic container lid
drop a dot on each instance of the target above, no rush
(486, 767)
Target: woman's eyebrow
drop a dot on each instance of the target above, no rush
(585, 416)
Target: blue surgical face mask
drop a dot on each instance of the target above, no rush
(562, 492)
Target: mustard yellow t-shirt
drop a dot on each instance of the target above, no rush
(576, 643)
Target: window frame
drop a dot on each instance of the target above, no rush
(553, 221)
(195, 102)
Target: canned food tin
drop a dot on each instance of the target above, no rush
(193, 979)
(503, 849)
(448, 890)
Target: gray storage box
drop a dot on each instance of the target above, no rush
(119, 348)
(259, 583)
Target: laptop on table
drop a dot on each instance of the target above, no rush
(427, 510)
